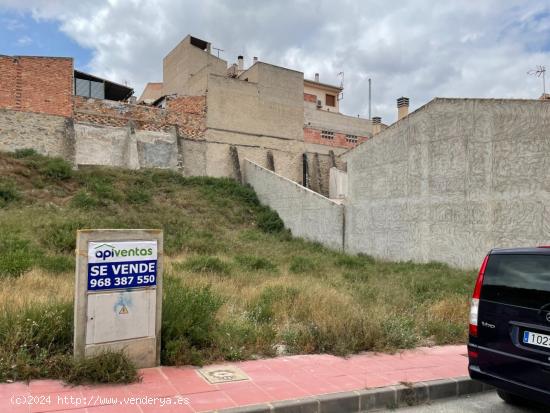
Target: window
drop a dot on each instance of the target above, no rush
(330, 100)
(517, 279)
(326, 134)
(89, 88)
(351, 138)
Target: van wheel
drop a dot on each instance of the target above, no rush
(511, 398)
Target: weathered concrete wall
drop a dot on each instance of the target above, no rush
(258, 108)
(306, 213)
(338, 186)
(286, 153)
(125, 147)
(183, 62)
(318, 119)
(47, 134)
(451, 181)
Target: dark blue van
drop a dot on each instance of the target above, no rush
(509, 345)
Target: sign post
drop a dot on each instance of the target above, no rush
(118, 294)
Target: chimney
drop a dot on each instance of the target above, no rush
(254, 59)
(402, 107)
(316, 77)
(240, 63)
(376, 124)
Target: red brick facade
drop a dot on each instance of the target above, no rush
(339, 139)
(188, 113)
(308, 97)
(37, 84)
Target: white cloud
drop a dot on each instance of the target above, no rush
(13, 24)
(24, 41)
(420, 49)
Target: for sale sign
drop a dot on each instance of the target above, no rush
(122, 265)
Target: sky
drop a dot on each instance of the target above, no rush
(416, 48)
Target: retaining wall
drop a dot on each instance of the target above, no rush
(306, 213)
(451, 181)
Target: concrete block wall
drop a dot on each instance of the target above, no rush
(306, 213)
(451, 181)
(36, 84)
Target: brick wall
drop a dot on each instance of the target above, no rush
(312, 135)
(188, 113)
(308, 97)
(36, 84)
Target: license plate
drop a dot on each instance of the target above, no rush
(536, 339)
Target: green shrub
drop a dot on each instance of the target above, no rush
(56, 168)
(353, 262)
(300, 264)
(240, 339)
(16, 257)
(61, 236)
(253, 263)
(56, 263)
(31, 338)
(189, 319)
(206, 264)
(83, 200)
(24, 153)
(106, 367)
(8, 192)
(270, 222)
(138, 195)
(399, 331)
(262, 310)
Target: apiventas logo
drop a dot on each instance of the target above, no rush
(106, 251)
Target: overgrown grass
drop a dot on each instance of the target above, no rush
(236, 283)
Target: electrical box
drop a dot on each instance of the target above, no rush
(118, 294)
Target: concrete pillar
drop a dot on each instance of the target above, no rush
(131, 155)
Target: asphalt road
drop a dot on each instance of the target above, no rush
(483, 403)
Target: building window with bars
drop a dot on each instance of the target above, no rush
(351, 138)
(326, 134)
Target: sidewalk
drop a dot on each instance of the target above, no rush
(267, 381)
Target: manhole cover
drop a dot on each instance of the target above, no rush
(222, 374)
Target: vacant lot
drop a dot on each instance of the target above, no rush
(237, 285)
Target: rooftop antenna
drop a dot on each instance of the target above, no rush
(538, 72)
(370, 97)
(218, 50)
(341, 95)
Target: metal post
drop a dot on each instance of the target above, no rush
(370, 98)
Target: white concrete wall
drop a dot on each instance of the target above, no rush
(451, 181)
(306, 213)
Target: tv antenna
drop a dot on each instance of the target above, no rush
(218, 50)
(540, 71)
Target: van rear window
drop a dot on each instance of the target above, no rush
(522, 280)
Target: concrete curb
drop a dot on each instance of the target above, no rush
(372, 399)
